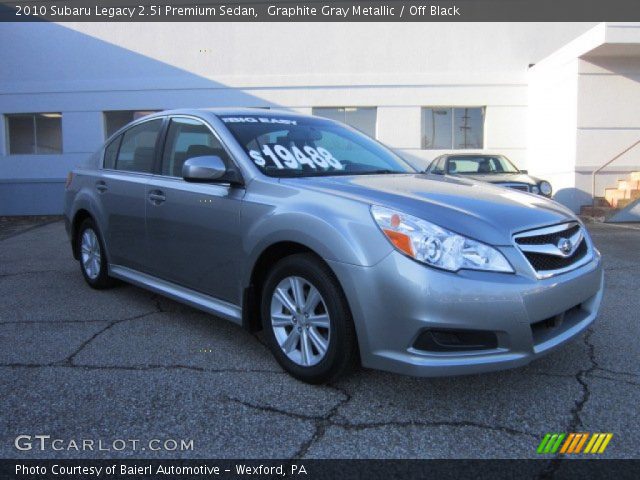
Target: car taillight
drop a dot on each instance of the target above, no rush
(69, 180)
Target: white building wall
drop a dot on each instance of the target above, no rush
(584, 109)
(400, 127)
(553, 97)
(608, 120)
(84, 69)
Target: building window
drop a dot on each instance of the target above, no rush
(34, 133)
(452, 128)
(116, 119)
(362, 118)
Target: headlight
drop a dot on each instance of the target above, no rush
(535, 189)
(435, 246)
(545, 188)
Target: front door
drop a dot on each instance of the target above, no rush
(193, 228)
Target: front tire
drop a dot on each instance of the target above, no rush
(93, 260)
(307, 321)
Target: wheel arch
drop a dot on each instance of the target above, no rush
(268, 257)
(83, 206)
(80, 216)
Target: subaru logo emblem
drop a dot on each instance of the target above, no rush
(565, 245)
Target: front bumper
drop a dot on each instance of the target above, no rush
(395, 300)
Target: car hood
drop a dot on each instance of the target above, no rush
(503, 178)
(475, 209)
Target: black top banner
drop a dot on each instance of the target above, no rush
(320, 11)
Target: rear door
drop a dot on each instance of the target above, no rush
(121, 188)
(193, 228)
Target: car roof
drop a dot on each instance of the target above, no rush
(471, 154)
(213, 111)
(218, 111)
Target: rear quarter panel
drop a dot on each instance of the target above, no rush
(81, 195)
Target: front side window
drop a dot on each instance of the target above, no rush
(283, 146)
(116, 119)
(34, 133)
(137, 148)
(480, 164)
(452, 128)
(188, 138)
(362, 118)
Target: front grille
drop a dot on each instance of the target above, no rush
(553, 249)
(543, 263)
(551, 238)
(516, 186)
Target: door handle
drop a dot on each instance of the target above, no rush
(101, 186)
(157, 197)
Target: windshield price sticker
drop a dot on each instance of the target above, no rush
(280, 121)
(294, 158)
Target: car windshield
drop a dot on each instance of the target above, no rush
(291, 146)
(480, 164)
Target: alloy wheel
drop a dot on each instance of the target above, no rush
(90, 252)
(300, 321)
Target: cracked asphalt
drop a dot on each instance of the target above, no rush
(76, 363)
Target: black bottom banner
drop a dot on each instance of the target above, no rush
(319, 469)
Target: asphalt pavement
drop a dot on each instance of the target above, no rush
(125, 364)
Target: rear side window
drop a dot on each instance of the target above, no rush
(111, 152)
(138, 147)
(188, 138)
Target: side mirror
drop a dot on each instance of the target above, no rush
(208, 168)
(524, 171)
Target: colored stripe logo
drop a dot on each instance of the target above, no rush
(573, 443)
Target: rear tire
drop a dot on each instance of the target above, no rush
(307, 321)
(93, 260)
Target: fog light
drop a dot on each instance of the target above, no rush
(451, 340)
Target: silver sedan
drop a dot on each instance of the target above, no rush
(331, 244)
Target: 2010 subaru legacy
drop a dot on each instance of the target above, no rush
(330, 243)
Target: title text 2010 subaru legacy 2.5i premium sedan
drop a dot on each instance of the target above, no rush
(331, 244)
